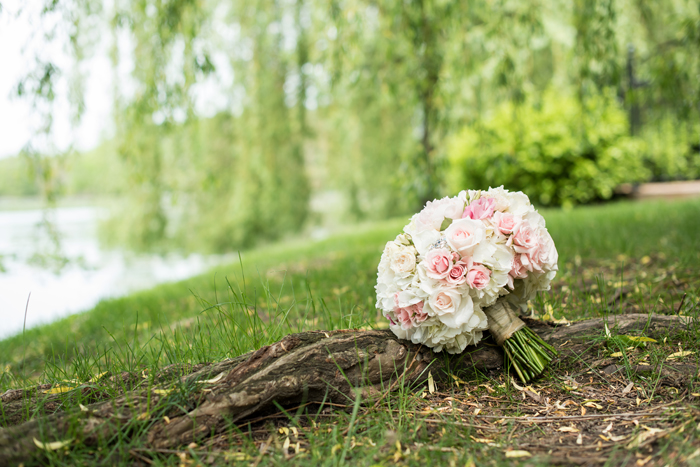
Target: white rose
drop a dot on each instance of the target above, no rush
(500, 195)
(423, 240)
(385, 295)
(390, 249)
(400, 332)
(409, 297)
(451, 307)
(403, 260)
(519, 203)
(501, 259)
(435, 212)
(438, 336)
(535, 219)
(464, 235)
(536, 282)
(427, 284)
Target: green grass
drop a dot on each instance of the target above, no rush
(645, 252)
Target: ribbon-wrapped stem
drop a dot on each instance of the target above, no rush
(525, 351)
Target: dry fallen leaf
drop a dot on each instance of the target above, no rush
(53, 446)
(59, 389)
(681, 354)
(517, 454)
(568, 429)
(616, 354)
(431, 383)
(515, 385)
(481, 440)
(458, 381)
(593, 405)
(236, 456)
(215, 379)
(640, 339)
(96, 377)
(643, 436)
(628, 388)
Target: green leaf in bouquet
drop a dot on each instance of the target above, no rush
(446, 223)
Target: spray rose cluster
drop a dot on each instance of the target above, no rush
(458, 256)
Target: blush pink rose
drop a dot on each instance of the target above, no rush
(438, 263)
(525, 239)
(410, 316)
(478, 276)
(517, 270)
(482, 208)
(506, 222)
(541, 256)
(458, 274)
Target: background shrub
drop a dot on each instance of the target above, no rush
(672, 149)
(554, 150)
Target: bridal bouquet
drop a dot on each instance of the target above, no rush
(460, 265)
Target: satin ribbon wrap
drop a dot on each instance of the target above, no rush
(503, 321)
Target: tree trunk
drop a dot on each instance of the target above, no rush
(309, 367)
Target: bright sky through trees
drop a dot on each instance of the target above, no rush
(19, 40)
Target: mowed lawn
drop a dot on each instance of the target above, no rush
(623, 257)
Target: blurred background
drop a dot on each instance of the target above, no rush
(146, 140)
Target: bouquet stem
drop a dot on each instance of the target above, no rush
(525, 351)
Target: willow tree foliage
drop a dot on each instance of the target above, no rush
(352, 96)
(220, 182)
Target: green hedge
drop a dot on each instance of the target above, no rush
(672, 149)
(553, 150)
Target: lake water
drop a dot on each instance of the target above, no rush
(81, 284)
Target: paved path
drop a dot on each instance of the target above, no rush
(662, 190)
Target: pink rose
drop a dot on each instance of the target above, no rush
(478, 276)
(458, 274)
(544, 255)
(410, 316)
(525, 239)
(517, 270)
(482, 208)
(506, 222)
(438, 262)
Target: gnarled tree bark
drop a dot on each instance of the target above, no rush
(307, 367)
